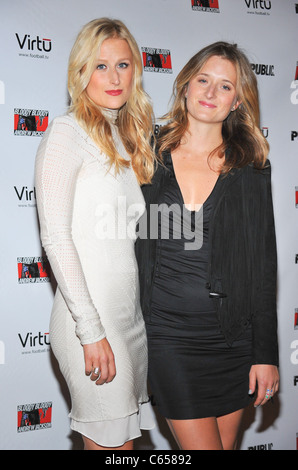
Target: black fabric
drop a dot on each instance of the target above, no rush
(193, 373)
(180, 278)
(241, 261)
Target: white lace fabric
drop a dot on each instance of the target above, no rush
(97, 275)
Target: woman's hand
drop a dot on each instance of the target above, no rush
(99, 361)
(265, 379)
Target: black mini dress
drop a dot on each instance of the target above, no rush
(193, 373)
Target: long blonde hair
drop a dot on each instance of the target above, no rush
(135, 118)
(243, 141)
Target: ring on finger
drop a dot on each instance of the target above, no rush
(269, 393)
(96, 371)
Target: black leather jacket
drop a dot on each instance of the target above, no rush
(242, 258)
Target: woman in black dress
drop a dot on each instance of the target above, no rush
(209, 301)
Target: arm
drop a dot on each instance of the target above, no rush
(58, 164)
(264, 373)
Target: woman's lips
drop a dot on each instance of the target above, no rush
(114, 92)
(207, 105)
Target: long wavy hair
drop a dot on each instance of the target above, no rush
(135, 118)
(243, 141)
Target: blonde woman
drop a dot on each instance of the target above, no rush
(89, 168)
(210, 309)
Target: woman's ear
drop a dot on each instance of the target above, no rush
(185, 90)
(236, 105)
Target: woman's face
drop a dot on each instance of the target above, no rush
(211, 94)
(111, 82)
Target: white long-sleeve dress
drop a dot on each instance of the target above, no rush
(88, 218)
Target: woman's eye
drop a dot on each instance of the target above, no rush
(101, 66)
(123, 65)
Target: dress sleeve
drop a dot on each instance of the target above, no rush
(58, 163)
(265, 320)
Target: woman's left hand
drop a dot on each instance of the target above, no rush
(265, 379)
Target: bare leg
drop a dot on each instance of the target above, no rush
(90, 445)
(207, 433)
(229, 427)
(196, 434)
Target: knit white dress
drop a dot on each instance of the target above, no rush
(88, 218)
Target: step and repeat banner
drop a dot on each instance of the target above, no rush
(35, 40)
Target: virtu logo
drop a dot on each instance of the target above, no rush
(30, 340)
(263, 4)
(25, 194)
(34, 44)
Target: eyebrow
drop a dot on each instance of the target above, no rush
(106, 60)
(224, 79)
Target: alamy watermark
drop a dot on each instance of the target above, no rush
(118, 221)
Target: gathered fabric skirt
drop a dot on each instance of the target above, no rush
(115, 412)
(193, 372)
(114, 433)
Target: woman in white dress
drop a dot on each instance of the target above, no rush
(89, 168)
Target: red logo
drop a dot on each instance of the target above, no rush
(34, 416)
(32, 122)
(205, 5)
(33, 269)
(157, 60)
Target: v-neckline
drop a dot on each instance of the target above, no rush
(180, 192)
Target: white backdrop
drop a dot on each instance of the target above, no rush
(35, 40)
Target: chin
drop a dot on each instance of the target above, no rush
(114, 103)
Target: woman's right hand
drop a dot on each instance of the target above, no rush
(99, 361)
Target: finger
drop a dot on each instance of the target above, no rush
(95, 374)
(103, 374)
(260, 396)
(252, 384)
(112, 372)
(267, 396)
(269, 392)
(108, 373)
(88, 367)
(276, 387)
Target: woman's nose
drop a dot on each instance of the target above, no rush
(211, 91)
(114, 77)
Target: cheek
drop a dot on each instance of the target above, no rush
(193, 93)
(228, 102)
(129, 80)
(233, 99)
(94, 85)
(189, 90)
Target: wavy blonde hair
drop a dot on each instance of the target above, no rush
(243, 141)
(135, 118)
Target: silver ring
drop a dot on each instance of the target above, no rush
(96, 371)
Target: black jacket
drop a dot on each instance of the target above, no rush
(242, 257)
